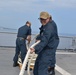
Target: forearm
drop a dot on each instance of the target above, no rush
(28, 38)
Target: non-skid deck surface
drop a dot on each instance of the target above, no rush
(64, 60)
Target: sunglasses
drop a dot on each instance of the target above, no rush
(41, 19)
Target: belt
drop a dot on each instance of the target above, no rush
(21, 38)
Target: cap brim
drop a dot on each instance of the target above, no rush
(41, 18)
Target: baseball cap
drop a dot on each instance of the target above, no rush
(44, 15)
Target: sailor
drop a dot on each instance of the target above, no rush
(24, 33)
(46, 49)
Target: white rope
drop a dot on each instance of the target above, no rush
(26, 59)
(27, 45)
(29, 62)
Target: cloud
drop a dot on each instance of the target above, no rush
(16, 4)
(15, 12)
(65, 3)
(36, 4)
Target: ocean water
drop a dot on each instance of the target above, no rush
(8, 39)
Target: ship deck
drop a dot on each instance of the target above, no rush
(65, 62)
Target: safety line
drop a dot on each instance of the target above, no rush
(65, 53)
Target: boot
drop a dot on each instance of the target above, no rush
(51, 71)
(15, 64)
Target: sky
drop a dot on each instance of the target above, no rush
(14, 14)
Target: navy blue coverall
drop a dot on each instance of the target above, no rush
(23, 32)
(46, 49)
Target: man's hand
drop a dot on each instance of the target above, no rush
(28, 39)
(32, 50)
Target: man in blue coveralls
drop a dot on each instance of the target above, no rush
(46, 49)
(24, 33)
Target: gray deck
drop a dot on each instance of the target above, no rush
(65, 61)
